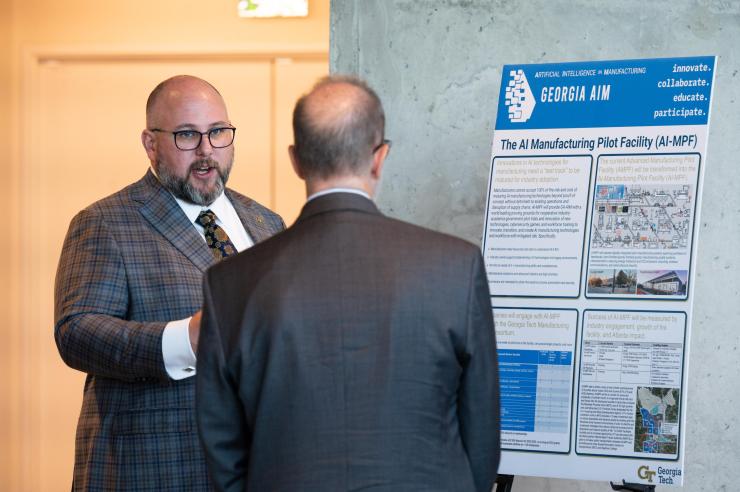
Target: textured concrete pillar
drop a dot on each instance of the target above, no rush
(437, 66)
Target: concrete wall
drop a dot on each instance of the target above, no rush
(437, 67)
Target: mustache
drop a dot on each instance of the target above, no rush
(203, 163)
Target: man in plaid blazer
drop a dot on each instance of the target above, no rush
(352, 351)
(129, 289)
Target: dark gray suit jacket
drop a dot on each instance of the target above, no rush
(130, 263)
(350, 352)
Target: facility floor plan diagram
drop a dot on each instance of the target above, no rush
(642, 216)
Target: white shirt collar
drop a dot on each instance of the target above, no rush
(218, 207)
(356, 191)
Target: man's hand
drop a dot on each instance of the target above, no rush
(194, 331)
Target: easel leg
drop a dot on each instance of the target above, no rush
(633, 487)
(504, 483)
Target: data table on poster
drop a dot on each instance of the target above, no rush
(654, 364)
(535, 389)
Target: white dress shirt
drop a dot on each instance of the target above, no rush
(179, 359)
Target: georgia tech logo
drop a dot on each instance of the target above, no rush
(519, 97)
(645, 473)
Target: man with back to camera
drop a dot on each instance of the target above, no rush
(129, 289)
(352, 351)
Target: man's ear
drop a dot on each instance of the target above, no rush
(294, 162)
(378, 161)
(150, 144)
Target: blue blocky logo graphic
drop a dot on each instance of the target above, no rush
(519, 97)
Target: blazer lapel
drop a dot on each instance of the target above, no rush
(252, 219)
(160, 209)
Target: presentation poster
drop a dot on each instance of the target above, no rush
(590, 247)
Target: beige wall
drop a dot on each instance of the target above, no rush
(85, 26)
(153, 23)
(9, 303)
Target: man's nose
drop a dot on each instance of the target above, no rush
(205, 148)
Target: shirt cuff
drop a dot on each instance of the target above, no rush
(179, 359)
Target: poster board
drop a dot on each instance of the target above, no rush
(590, 241)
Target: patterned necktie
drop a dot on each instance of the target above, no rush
(217, 239)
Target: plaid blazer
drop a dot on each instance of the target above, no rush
(130, 263)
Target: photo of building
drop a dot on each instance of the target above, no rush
(621, 281)
(662, 282)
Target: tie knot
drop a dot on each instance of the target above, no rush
(216, 238)
(206, 218)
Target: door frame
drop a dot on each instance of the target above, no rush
(23, 334)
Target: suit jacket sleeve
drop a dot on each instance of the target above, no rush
(222, 427)
(479, 392)
(90, 307)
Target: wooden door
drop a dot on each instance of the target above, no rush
(84, 116)
(293, 78)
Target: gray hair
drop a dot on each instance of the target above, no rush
(338, 136)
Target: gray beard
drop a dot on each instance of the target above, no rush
(181, 187)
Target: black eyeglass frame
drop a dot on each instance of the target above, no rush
(385, 141)
(200, 137)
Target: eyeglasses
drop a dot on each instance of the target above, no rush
(384, 142)
(191, 139)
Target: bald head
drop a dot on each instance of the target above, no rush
(171, 93)
(189, 108)
(336, 126)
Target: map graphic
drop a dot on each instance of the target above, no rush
(642, 216)
(656, 420)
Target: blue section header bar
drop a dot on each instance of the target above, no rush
(654, 92)
(509, 357)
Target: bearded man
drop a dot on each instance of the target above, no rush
(128, 294)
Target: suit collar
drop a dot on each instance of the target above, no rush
(250, 216)
(161, 210)
(335, 202)
(356, 191)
